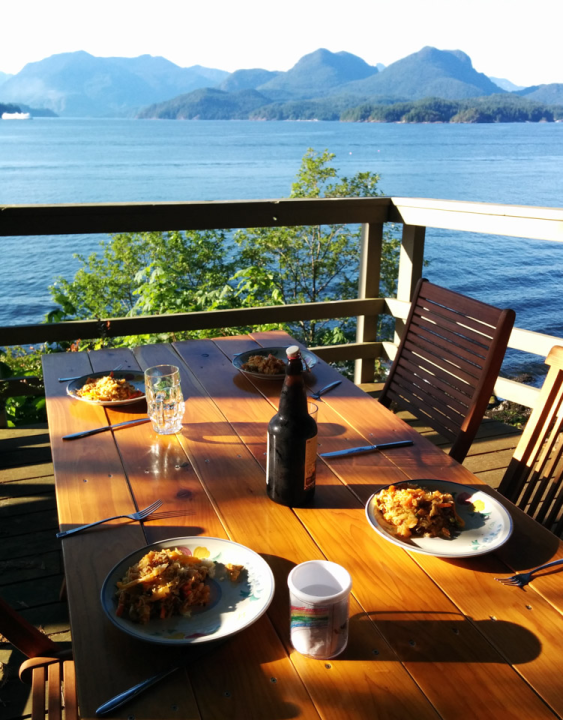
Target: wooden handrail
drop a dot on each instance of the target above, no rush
(91, 218)
(415, 214)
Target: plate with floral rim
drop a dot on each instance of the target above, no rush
(233, 606)
(486, 523)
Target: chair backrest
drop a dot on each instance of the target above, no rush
(533, 479)
(448, 361)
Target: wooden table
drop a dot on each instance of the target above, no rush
(429, 638)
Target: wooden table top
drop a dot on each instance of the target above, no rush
(429, 638)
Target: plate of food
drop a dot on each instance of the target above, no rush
(269, 362)
(188, 590)
(439, 518)
(121, 387)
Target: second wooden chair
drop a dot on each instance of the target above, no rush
(534, 478)
(448, 361)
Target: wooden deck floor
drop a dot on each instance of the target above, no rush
(31, 572)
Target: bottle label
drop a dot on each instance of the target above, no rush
(310, 462)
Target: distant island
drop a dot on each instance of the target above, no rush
(34, 112)
(427, 86)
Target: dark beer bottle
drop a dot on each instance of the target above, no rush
(292, 441)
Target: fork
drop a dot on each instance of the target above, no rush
(522, 579)
(68, 379)
(140, 515)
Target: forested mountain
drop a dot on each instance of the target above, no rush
(447, 74)
(207, 104)
(81, 85)
(317, 75)
(4, 76)
(491, 109)
(551, 94)
(246, 79)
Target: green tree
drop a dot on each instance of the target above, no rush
(308, 264)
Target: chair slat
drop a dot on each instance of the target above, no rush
(38, 694)
(69, 691)
(54, 699)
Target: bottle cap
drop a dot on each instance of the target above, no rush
(293, 352)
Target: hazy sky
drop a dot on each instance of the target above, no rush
(512, 39)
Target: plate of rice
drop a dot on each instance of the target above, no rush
(269, 363)
(187, 590)
(439, 518)
(109, 388)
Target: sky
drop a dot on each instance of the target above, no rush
(512, 39)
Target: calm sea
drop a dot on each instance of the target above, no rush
(70, 161)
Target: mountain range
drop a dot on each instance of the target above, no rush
(78, 84)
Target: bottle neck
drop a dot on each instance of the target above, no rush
(293, 400)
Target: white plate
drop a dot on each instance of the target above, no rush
(233, 605)
(488, 525)
(136, 378)
(309, 361)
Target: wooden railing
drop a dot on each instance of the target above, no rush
(414, 214)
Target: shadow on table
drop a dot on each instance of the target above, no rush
(446, 637)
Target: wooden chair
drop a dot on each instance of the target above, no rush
(533, 479)
(47, 665)
(448, 362)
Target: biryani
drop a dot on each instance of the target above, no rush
(164, 583)
(266, 365)
(108, 389)
(414, 510)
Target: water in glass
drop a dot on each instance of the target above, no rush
(165, 401)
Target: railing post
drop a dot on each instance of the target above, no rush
(368, 287)
(411, 261)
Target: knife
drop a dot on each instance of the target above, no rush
(322, 391)
(367, 449)
(195, 654)
(124, 697)
(74, 436)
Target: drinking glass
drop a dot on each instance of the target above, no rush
(165, 401)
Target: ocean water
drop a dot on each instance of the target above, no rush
(117, 160)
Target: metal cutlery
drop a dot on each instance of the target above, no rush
(195, 653)
(367, 449)
(124, 697)
(521, 579)
(327, 388)
(140, 515)
(85, 433)
(68, 379)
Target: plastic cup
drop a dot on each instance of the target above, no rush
(165, 402)
(319, 594)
